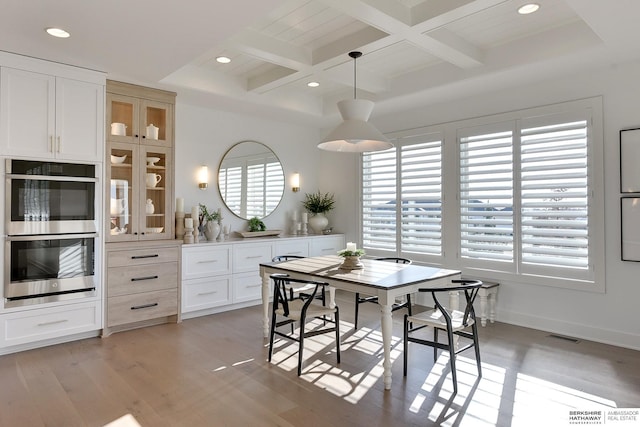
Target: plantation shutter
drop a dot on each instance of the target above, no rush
(230, 183)
(265, 184)
(421, 195)
(486, 193)
(379, 200)
(554, 193)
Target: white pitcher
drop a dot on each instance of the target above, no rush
(153, 179)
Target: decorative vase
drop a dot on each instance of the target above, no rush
(351, 263)
(318, 223)
(211, 230)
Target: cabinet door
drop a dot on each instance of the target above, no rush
(156, 196)
(27, 113)
(156, 123)
(122, 118)
(79, 120)
(123, 183)
(326, 245)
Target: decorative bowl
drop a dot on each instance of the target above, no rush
(118, 159)
(155, 230)
(151, 161)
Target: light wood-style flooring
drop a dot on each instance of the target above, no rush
(212, 371)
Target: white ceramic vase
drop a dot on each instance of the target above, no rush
(211, 230)
(318, 223)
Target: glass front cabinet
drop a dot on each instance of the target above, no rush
(139, 164)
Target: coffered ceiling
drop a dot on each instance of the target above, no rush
(415, 52)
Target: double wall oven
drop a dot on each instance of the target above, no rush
(51, 231)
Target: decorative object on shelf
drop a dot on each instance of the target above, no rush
(116, 160)
(154, 230)
(318, 204)
(153, 179)
(203, 177)
(117, 206)
(256, 224)
(305, 222)
(221, 235)
(212, 225)
(180, 225)
(259, 233)
(118, 129)
(149, 208)
(295, 182)
(351, 257)
(152, 131)
(355, 134)
(151, 161)
(188, 233)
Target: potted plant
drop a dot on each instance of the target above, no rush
(212, 226)
(318, 204)
(351, 259)
(256, 224)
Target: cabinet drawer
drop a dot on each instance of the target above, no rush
(135, 308)
(247, 257)
(35, 325)
(247, 287)
(128, 258)
(294, 247)
(326, 245)
(199, 294)
(204, 261)
(142, 278)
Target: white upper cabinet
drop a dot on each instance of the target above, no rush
(46, 116)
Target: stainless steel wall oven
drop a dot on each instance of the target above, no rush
(51, 231)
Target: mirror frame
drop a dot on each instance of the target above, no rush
(266, 149)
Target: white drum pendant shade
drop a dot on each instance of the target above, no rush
(355, 134)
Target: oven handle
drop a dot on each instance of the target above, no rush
(51, 178)
(51, 237)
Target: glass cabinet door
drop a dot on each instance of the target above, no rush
(156, 204)
(123, 117)
(122, 179)
(155, 124)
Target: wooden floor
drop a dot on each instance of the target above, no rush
(212, 371)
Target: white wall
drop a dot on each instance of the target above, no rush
(609, 317)
(202, 138)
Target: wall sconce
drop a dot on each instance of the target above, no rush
(295, 182)
(203, 178)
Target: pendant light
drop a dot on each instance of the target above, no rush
(355, 134)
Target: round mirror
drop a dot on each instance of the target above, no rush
(251, 180)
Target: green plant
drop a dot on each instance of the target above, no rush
(346, 252)
(255, 224)
(209, 216)
(318, 202)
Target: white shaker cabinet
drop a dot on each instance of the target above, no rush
(46, 116)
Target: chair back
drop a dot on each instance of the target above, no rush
(281, 258)
(395, 259)
(282, 296)
(470, 288)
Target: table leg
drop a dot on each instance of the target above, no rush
(482, 293)
(387, 331)
(265, 305)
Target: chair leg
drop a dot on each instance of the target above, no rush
(337, 319)
(476, 347)
(271, 335)
(406, 343)
(409, 304)
(301, 344)
(435, 349)
(452, 360)
(355, 323)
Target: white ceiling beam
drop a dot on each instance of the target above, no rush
(336, 52)
(271, 79)
(271, 50)
(450, 47)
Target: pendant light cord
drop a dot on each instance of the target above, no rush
(355, 56)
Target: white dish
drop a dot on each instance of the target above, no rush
(118, 159)
(155, 230)
(151, 161)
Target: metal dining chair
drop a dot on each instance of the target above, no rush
(303, 291)
(396, 306)
(453, 322)
(286, 310)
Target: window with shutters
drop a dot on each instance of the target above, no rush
(516, 196)
(409, 177)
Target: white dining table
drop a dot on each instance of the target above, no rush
(386, 280)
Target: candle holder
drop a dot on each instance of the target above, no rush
(179, 225)
(188, 235)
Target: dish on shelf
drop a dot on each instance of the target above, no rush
(117, 231)
(151, 161)
(155, 230)
(116, 160)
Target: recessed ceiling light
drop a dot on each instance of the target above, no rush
(313, 84)
(223, 59)
(528, 8)
(58, 32)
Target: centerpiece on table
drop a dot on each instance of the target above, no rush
(318, 204)
(351, 257)
(212, 225)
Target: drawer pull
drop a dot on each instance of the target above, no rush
(207, 293)
(138, 307)
(253, 257)
(53, 322)
(145, 256)
(328, 249)
(207, 261)
(137, 279)
(253, 286)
